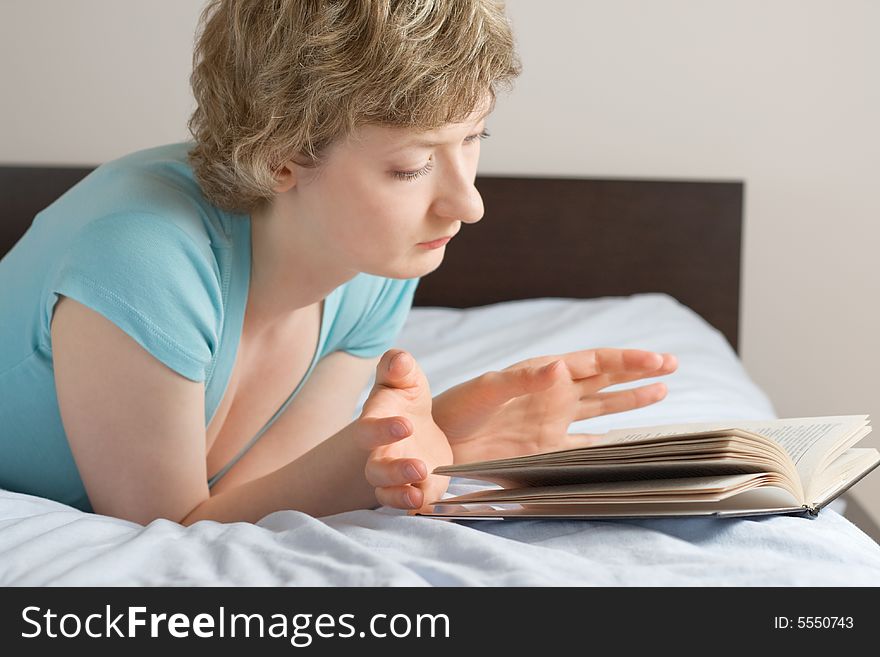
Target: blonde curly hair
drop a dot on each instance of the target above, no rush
(281, 79)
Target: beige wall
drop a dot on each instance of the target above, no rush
(85, 81)
(783, 94)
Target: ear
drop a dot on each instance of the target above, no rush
(285, 177)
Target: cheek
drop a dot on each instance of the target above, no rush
(369, 215)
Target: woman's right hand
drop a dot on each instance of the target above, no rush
(399, 465)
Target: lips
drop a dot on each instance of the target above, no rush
(439, 239)
(435, 244)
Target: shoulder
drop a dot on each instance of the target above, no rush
(126, 247)
(135, 241)
(151, 279)
(135, 227)
(152, 274)
(156, 182)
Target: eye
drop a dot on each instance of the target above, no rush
(481, 135)
(418, 173)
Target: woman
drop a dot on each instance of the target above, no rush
(190, 327)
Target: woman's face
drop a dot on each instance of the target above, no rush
(382, 193)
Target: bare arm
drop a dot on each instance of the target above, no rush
(139, 440)
(327, 479)
(135, 427)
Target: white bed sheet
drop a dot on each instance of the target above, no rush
(47, 543)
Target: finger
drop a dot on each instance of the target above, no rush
(594, 362)
(432, 492)
(397, 369)
(371, 432)
(503, 386)
(399, 497)
(670, 365)
(608, 403)
(394, 471)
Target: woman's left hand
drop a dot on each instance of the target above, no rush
(527, 408)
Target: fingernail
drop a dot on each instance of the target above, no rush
(413, 472)
(399, 430)
(411, 500)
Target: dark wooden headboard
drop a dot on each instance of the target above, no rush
(541, 237)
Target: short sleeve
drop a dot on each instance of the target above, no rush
(382, 319)
(153, 281)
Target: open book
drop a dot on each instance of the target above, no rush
(734, 468)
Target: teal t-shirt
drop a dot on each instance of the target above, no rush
(137, 242)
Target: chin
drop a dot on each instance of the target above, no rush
(412, 268)
(429, 262)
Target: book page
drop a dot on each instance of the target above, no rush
(709, 489)
(838, 476)
(560, 475)
(806, 440)
(801, 447)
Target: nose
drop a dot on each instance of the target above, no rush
(458, 198)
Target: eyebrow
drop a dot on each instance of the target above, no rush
(424, 143)
(420, 143)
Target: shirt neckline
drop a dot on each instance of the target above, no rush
(236, 273)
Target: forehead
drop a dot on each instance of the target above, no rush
(386, 139)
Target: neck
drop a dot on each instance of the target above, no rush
(290, 270)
